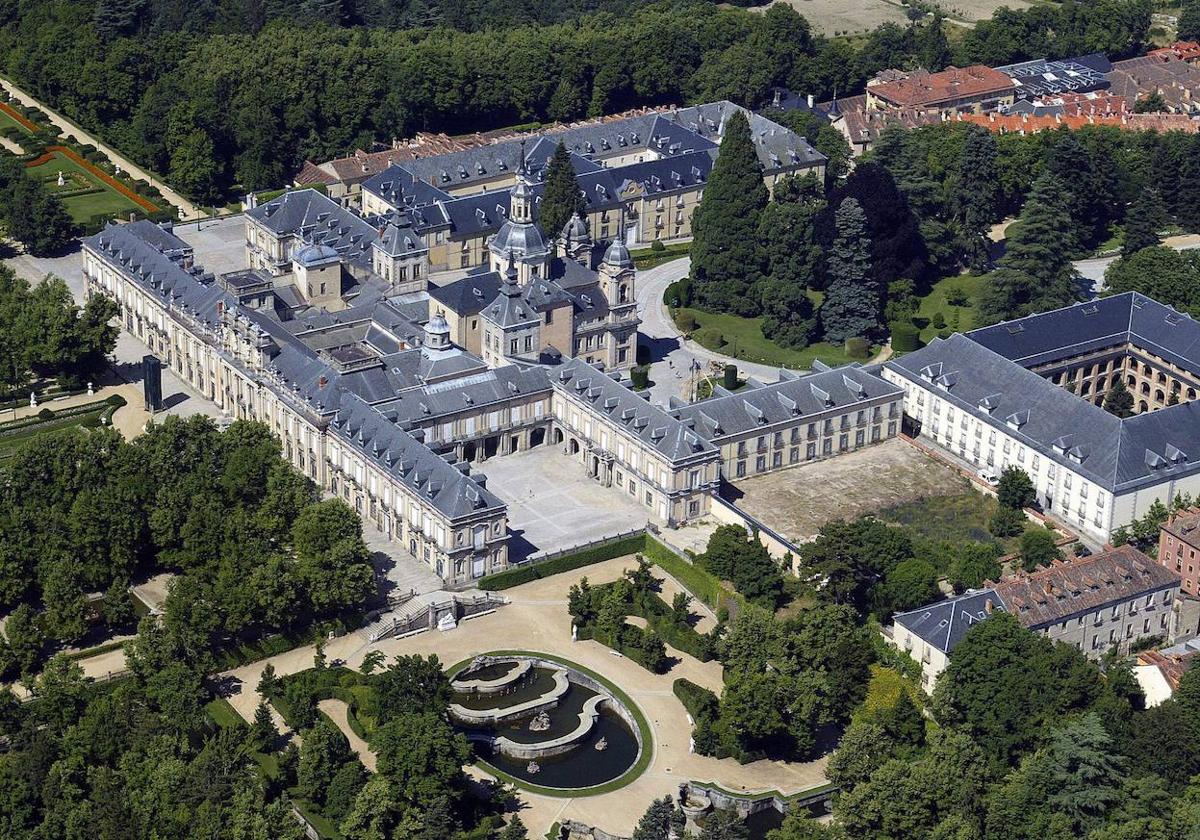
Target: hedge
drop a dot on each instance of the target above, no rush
(535, 571)
(905, 338)
(858, 348)
(700, 703)
(696, 580)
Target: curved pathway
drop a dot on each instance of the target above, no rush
(537, 620)
(72, 130)
(339, 713)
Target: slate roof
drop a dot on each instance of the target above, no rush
(298, 374)
(469, 295)
(728, 414)
(1124, 318)
(400, 241)
(663, 432)
(399, 188)
(473, 393)
(944, 624)
(989, 366)
(161, 236)
(318, 219)
(1082, 585)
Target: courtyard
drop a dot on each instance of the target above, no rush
(553, 505)
(537, 620)
(219, 244)
(797, 502)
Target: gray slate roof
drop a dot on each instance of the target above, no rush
(318, 219)
(472, 393)
(721, 417)
(944, 624)
(1119, 455)
(664, 433)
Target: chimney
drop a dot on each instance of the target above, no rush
(1047, 587)
(322, 382)
(988, 606)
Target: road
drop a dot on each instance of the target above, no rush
(1093, 269)
(671, 355)
(71, 130)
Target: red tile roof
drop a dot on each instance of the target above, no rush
(1172, 666)
(1082, 585)
(924, 89)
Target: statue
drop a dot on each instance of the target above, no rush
(602, 745)
(61, 181)
(533, 768)
(117, 168)
(91, 390)
(574, 632)
(540, 722)
(32, 400)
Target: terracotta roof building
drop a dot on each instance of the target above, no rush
(1178, 547)
(1113, 598)
(974, 88)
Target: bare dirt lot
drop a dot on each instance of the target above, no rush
(841, 17)
(797, 502)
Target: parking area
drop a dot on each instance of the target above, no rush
(797, 502)
(553, 505)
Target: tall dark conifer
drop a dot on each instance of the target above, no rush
(1142, 221)
(726, 258)
(976, 194)
(561, 197)
(852, 298)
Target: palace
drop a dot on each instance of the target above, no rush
(1028, 393)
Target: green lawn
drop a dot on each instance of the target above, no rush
(9, 444)
(744, 340)
(644, 258)
(6, 121)
(223, 714)
(958, 318)
(83, 207)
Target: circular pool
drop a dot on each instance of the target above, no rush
(547, 724)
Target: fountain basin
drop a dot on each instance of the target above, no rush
(504, 714)
(504, 745)
(515, 671)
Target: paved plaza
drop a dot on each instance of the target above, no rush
(219, 244)
(537, 620)
(553, 505)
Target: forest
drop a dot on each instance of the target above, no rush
(221, 97)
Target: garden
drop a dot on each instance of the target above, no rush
(13, 122)
(88, 193)
(16, 433)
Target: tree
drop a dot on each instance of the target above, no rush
(911, 584)
(863, 749)
(561, 197)
(852, 556)
(25, 638)
(375, 811)
(1169, 276)
(1142, 222)
(263, 732)
(118, 604)
(724, 825)
(347, 782)
(1015, 489)
(514, 830)
(976, 194)
(726, 258)
(267, 682)
(1038, 547)
(421, 755)
(852, 300)
(323, 750)
(1005, 684)
(1035, 272)
(1189, 21)
(411, 682)
(974, 564)
(1118, 401)
(332, 561)
(734, 555)
(656, 823)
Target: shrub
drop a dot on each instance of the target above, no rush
(957, 296)
(657, 245)
(1007, 523)
(640, 375)
(729, 377)
(858, 348)
(905, 338)
(939, 320)
(709, 337)
(45, 414)
(686, 321)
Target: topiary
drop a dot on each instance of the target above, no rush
(45, 414)
(640, 377)
(709, 337)
(657, 245)
(905, 337)
(858, 347)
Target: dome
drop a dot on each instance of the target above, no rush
(437, 333)
(316, 255)
(576, 229)
(520, 240)
(437, 324)
(618, 255)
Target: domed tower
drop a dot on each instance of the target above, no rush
(437, 334)
(617, 275)
(617, 282)
(520, 238)
(576, 240)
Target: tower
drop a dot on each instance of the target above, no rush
(520, 240)
(576, 241)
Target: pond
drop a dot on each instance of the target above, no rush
(549, 728)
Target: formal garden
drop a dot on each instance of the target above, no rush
(90, 194)
(15, 434)
(13, 123)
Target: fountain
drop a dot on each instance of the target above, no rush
(532, 716)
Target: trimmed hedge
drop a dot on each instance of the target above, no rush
(905, 338)
(691, 577)
(535, 571)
